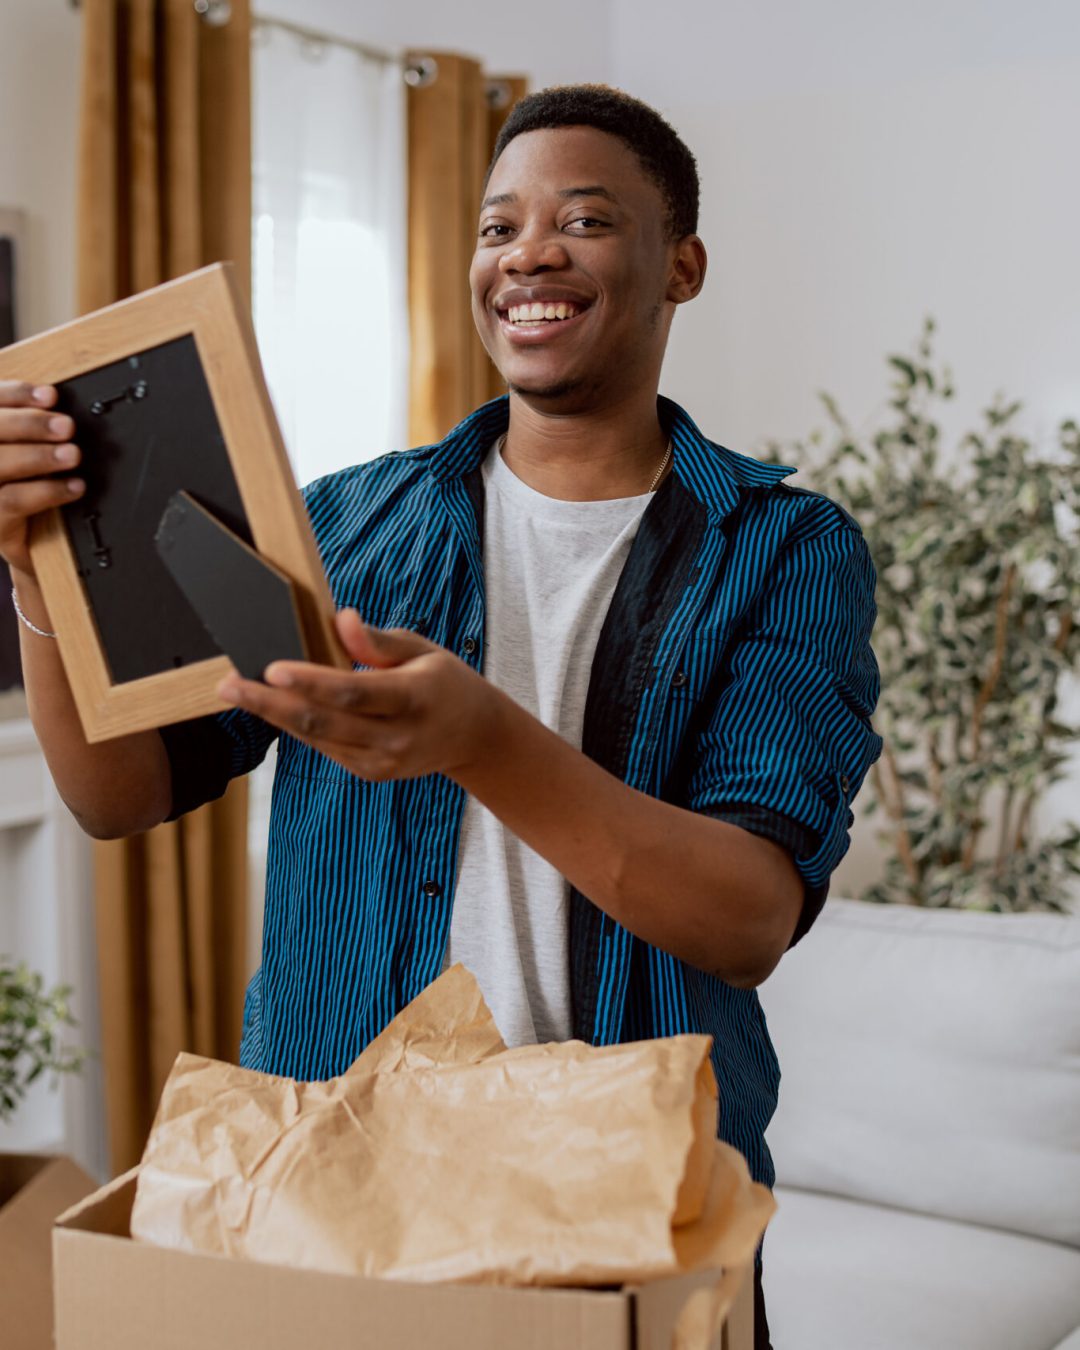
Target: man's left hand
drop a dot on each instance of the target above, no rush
(417, 709)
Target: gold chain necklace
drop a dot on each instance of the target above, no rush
(660, 470)
(501, 442)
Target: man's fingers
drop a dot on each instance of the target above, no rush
(17, 393)
(310, 720)
(22, 460)
(364, 693)
(41, 494)
(20, 423)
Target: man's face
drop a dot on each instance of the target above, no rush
(571, 223)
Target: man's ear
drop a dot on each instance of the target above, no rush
(688, 266)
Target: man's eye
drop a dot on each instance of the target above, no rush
(494, 231)
(588, 222)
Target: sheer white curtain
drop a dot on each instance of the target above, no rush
(330, 247)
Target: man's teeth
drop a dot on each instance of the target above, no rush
(538, 312)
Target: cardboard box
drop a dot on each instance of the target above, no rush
(34, 1189)
(113, 1293)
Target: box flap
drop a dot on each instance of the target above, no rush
(49, 1185)
(106, 1210)
(18, 1170)
(658, 1307)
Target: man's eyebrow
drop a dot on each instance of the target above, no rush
(594, 191)
(504, 198)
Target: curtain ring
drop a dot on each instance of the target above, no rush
(313, 49)
(217, 13)
(420, 71)
(498, 94)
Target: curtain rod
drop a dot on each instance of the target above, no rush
(313, 35)
(417, 71)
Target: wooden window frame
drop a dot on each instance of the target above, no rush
(207, 306)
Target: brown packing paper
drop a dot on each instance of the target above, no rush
(442, 1155)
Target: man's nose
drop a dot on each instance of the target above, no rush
(534, 252)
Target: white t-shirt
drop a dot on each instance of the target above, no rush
(550, 570)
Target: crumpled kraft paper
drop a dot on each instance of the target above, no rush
(441, 1155)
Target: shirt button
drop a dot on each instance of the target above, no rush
(469, 646)
(678, 679)
(432, 889)
(844, 782)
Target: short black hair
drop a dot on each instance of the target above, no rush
(660, 151)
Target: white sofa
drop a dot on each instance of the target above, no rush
(927, 1141)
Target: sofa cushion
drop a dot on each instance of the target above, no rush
(931, 1061)
(840, 1274)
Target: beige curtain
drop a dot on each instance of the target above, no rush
(165, 187)
(452, 129)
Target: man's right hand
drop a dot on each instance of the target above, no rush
(36, 459)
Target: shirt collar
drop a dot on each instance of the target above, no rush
(710, 472)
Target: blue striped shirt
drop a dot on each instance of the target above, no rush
(733, 676)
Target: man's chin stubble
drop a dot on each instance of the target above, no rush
(575, 390)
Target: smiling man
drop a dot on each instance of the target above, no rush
(616, 682)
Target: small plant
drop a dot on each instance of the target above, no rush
(31, 1026)
(978, 563)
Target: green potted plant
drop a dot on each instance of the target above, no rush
(32, 1024)
(978, 562)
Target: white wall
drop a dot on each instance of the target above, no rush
(863, 165)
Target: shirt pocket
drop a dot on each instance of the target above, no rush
(694, 673)
(693, 685)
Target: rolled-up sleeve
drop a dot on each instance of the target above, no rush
(789, 740)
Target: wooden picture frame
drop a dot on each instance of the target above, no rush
(195, 334)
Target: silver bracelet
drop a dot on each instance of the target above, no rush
(32, 626)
